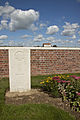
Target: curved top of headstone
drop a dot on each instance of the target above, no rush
(19, 55)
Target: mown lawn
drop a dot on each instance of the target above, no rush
(29, 111)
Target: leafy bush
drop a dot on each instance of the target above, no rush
(68, 87)
(51, 86)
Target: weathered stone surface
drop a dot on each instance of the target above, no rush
(19, 70)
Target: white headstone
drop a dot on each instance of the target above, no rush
(19, 70)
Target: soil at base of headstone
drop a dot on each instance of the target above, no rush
(37, 96)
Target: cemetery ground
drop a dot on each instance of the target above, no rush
(34, 105)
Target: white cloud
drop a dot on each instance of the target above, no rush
(1, 41)
(74, 37)
(38, 38)
(3, 37)
(33, 27)
(23, 19)
(17, 18)
(79, 32)
(71, 37)
(79, 41)
(42, 25)
(25, 36)
(61, 41)
(3, 24)
(68, 32)
(70, 26)
(57, 41)
(6, 10)
(52, 30)
(67, 41)
(69, 29)
(53, 39)
(78, 0)
(50, 38)
(11, 43)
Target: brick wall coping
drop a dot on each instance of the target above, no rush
(43, 48)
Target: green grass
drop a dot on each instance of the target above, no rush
(29, 111)
(33, 112)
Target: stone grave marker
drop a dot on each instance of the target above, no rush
(19, 69)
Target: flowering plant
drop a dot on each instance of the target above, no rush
(68, 87)
(51, 86)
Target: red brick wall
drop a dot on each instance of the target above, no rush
(46, 62)
(4, 64)
(54, 61)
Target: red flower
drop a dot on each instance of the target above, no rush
(63, 81)
(67, 81)
(59, 81)
(56, 78)
(73, 76)
(77, 78)
(78, 94)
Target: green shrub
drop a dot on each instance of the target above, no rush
(68, 87)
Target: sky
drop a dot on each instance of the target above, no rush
(34, 22)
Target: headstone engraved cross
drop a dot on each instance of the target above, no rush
(19, 69)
